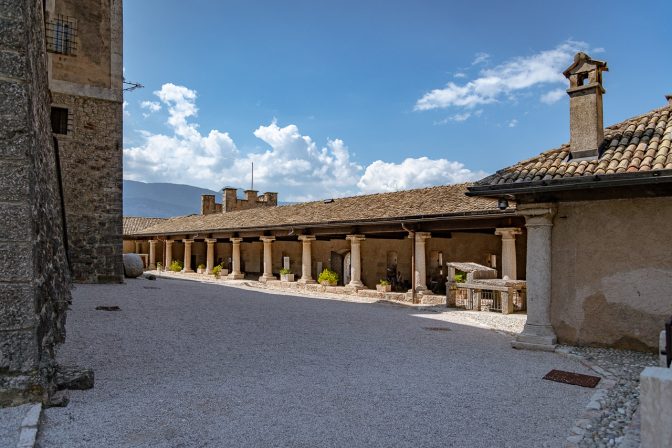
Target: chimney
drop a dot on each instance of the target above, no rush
(229, 199)
(251, 196)
(271, 198)
(586, 126)
(207, 204)
(669, 99)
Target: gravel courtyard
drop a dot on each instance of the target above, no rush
(187, 364)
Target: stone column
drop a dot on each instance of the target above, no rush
(152, 254)
(235, 260)
(421, 262)
(210, 257)
(268, 259)
(169, 253)
(538, 333)
(355, 260)
(187, 255)
(137, 246)
(306, 259)
(508, 251)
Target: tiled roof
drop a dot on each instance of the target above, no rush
(636, 145)
(426, 202)
(134, 224)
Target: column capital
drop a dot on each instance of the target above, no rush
(355, 238)
(307, 237)
(421, 236)
(267, 239)
(235, 240)
(187, 241)
(537, 215)
(508, 232)
(211, 240)
(169, 242)
(153, 242)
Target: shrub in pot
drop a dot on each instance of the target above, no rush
(200, 269)
(286, 275)
(328, 278)
(176, 266)
(383, 286)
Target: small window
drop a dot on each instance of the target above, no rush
(60, 120)
(62, 35)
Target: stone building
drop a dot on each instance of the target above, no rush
(407, 234)
(84, 62)
(34, 285)
(598, 214)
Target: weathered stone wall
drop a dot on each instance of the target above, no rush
(91, 160)
(34, 286)
(612, 272)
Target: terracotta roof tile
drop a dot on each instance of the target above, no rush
(425, 202)
(635, 145)
(134, 224)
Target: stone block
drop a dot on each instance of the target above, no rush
(74, 378)
(12, 65)
(11, 30)
(13, 218)
(13, 99)
(16, 306)
(14, 136)
(14, 181)
(11, 9)
(656, 407)
(19, 351)
(16, 262)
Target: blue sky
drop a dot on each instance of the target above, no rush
(349, 97)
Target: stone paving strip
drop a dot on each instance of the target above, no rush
(19, 425)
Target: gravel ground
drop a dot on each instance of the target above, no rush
(610, 423)
(187, 364)
(10, 424)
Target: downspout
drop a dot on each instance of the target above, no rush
(412, 234)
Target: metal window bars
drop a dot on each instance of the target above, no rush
(61, 34)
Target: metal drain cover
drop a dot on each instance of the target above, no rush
(108, 308)
(437, 328)
(576, 379)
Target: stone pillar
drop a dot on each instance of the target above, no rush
(210, 258)
(421, 262)
(137, 246)
(235, 260)
(187, 255)
(508, 251)
(355, 260)
(538, 333)
(268, 259)
(169, 253)
(152, 254)
(306, 259)
(655, 387)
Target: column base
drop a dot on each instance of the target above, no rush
(151, 267)
(235, 276)
(305, 281)
(187, 271)
(208, 272)
(536, 337)
(354, 284)
(267, 278)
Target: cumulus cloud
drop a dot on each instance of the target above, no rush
(504, 80)
(553, 96)
(292, 163)
(513, 123)
(152, 106)
(414, 173)
(480, 58)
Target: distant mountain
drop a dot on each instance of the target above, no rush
(162, 200)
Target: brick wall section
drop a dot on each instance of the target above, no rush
(91, 160)
(34, 284)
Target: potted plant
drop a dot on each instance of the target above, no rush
(159, 267)
(217, 271)
(200, 269)
(176, 266)
(286, 275)
(383, 286)
(328, 278)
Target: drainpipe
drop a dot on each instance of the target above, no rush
(412, 234)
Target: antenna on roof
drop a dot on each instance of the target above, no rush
(252, 187)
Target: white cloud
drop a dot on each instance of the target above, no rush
(293, 163)
(480, 58)
(552, 96)
(504, 80)
(460, 75)
(460, 117)
(414, 173)
(152, 106)
(513, 123)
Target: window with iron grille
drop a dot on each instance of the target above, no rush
(61, 120)
(62, 35)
